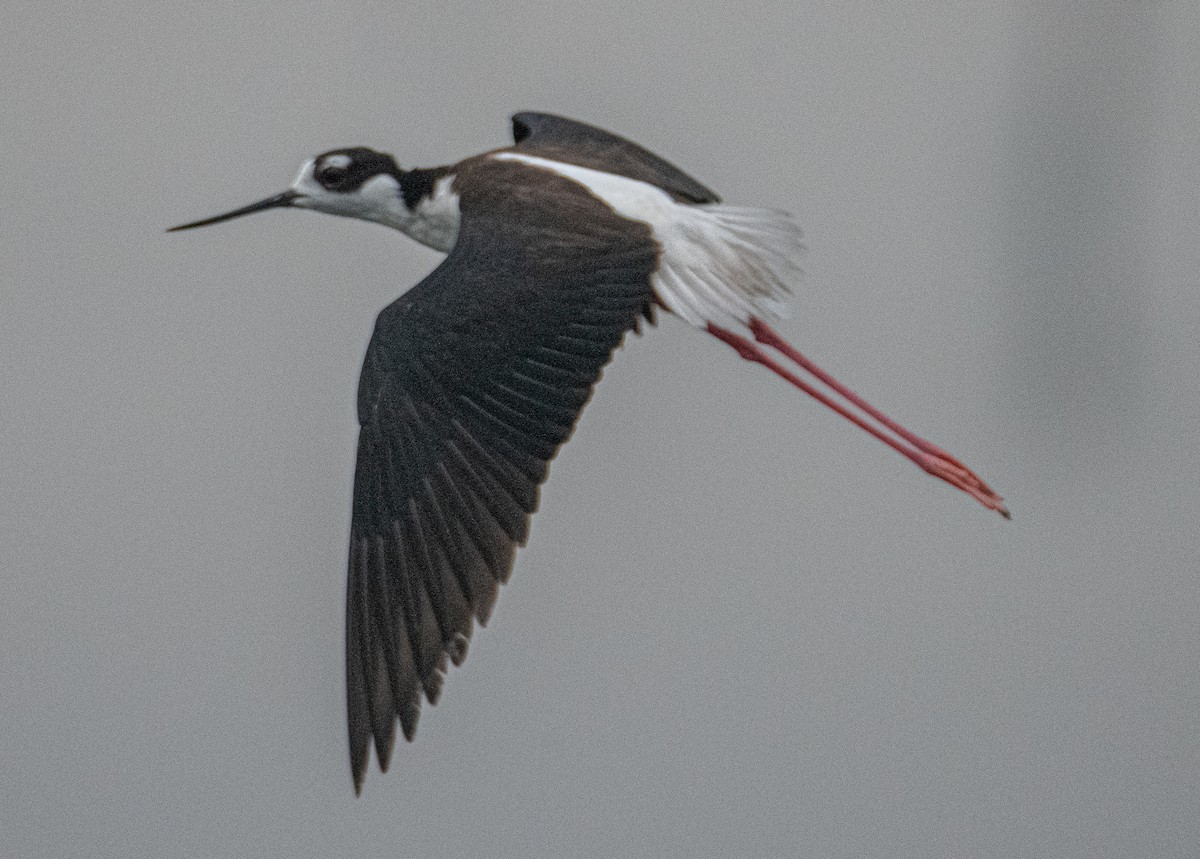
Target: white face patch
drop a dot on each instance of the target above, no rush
(718, 262)
(339, 160)
(304, 182)
(378, 190)
(377, 199)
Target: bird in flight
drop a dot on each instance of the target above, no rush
(556, 247)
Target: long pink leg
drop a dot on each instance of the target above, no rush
(929, 457)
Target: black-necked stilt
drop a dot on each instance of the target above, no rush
(476, 376)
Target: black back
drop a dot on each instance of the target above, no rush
(587, 146)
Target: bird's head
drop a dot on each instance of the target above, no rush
(356, 183)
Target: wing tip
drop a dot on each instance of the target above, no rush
(457, 649)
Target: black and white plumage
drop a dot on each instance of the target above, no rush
(474, 378)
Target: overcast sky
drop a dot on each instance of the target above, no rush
(741, 627)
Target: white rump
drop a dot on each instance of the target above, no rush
(718, 262)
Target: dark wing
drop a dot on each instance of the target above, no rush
(472, 382)
(587, 146)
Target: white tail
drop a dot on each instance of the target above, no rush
(722, 263)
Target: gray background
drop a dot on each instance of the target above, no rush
(742, 627)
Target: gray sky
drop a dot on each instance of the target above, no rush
(742, 628)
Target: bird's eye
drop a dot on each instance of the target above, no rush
(330, 174)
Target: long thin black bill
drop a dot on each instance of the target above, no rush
(276, 202)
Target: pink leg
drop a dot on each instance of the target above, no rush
(931, 458)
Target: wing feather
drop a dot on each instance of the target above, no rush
(471, 383)
(577, 142)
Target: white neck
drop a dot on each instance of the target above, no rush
(435, 220)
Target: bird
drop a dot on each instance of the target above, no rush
(556, 247)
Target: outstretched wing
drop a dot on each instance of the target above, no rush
(472, 381)
(550, 136)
